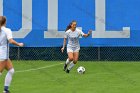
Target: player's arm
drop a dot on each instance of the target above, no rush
(88, 34)
(10, 38)
(12, 41)
(64, 44)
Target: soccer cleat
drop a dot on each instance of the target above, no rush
(67, 71)
(6, 91)
(65, 67)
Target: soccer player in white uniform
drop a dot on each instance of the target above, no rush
(5, 62)
(72, 34)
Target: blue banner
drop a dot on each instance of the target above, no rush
(41, 23)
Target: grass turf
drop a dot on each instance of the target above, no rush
(49, 77)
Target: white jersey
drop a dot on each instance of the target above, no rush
(73, 38)
(5, 35)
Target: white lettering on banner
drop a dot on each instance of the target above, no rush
(1, 7)
(100, 31)
(26, 19)
(100, 24)
(53, 21)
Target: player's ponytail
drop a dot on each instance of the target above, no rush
(69, 26)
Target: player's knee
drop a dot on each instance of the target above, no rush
(11, 71)
(71, 59)
(0, 73)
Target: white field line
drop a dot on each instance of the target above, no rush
(37, 68)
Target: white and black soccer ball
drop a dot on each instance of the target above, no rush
(81, 70)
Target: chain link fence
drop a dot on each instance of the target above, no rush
(86, 53)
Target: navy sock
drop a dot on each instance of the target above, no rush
(6, 88)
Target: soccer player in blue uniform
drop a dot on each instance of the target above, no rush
(5, 62)
(72, 34)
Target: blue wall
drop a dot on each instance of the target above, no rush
(119, 13)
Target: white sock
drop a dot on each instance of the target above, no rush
(71, 66)
(67, 61)
(8, 77)
(0, 73)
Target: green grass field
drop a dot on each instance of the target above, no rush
(49, 77)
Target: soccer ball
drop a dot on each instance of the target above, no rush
(81, 70)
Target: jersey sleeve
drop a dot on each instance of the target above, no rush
(81, 32)
(9, 34)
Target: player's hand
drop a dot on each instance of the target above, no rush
(89, 32)
(62, 49)
(21, 44)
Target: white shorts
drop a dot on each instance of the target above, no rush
(2, 60)
(73, 49)
(4, 54)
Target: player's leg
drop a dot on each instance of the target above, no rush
(2, 66)
(75, 58)
(76, 55)
(69, 59)
(8, 78)
(70, 56)
(66, 64)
